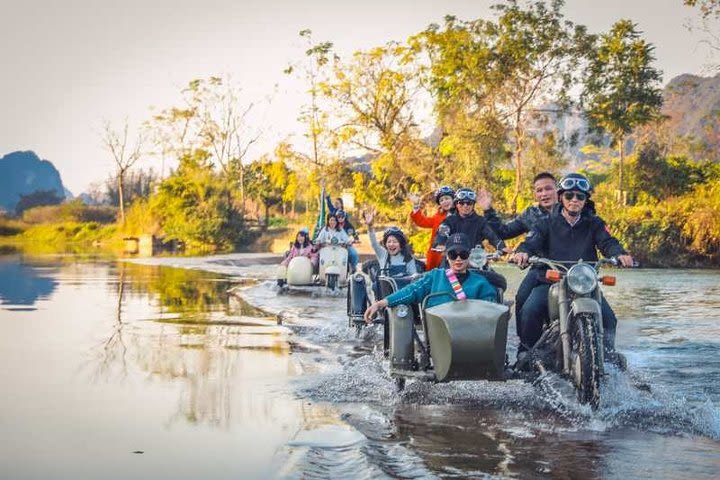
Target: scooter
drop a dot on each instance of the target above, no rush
(332, 272)
(572, 340)
(333, 265)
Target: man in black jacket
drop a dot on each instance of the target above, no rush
(545, 193)
(466, 220)
(571, 232)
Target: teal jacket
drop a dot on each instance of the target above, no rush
(475, 286)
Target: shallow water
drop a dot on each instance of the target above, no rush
(151, 369)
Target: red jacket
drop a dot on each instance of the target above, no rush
(432, 258)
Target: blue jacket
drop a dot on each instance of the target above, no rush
(475, 286)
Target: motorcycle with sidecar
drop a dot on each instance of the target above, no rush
(467, 339)
(332, 269)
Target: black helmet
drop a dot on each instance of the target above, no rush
(394, 232)
(465, 194)
(442, 191)
(574, 181)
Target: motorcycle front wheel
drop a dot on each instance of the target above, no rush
(585, 358)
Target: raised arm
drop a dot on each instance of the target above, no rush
(379, 250)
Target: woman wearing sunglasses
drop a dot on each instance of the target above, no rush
(572, 232)
(457, 280)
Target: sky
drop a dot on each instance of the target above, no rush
(69, 66)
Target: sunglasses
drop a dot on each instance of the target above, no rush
(579, 183)
(579, 195)
(454, 255)
(465, 202)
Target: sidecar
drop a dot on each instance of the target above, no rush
(457, 340)
(332, 270)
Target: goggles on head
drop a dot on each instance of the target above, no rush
(571, 183)
(466, 195)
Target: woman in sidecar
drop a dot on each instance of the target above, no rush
(306, 261)
(457, 281)
(462, 332)
(394, 261)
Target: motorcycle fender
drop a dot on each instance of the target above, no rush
(586, 305)
(332, 269)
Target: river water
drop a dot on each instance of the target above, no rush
(151, 369)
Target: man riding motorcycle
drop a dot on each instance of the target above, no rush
(571, 232)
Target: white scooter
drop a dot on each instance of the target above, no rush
(333, 265)
(333, 269)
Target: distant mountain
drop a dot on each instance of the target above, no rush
(24, 172)
(691, 103)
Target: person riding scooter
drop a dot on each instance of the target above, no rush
(444, 199)
(456, 280)
(572, 232)
(332, 233)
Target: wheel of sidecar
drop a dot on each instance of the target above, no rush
(585, 368)
(332, 280)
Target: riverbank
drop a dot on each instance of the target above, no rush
(88, 237)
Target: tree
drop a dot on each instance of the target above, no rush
(37, 198)
(621, 87)
(270, 182)
(504, 71)
(214, 118)
(710, 15)
(137, 184)
(708, 8)
(375, 96)
(192, 206)
(124, 155)
(317, 56)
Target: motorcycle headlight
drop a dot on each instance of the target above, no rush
(582, 279)
(402, 311)
(478, 257)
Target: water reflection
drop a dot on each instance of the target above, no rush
(22, 284)
(196, 337)
(111, 356)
